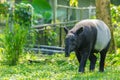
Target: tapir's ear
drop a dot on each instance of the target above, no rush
(66, 30)
(79, 31)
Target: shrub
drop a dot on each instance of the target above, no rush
(4, 8)
(14, 40)
(115, 14)
(23, 14)
(14, 43)
(117, 36)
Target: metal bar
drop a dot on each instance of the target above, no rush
(61, 23)
(46, 50)
(48, 47)
(62, 6)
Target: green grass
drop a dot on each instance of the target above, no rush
(55, 67)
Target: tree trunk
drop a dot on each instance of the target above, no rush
(103, 13)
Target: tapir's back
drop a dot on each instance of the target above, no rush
(103, 33)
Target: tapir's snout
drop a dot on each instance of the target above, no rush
(68, 50)
(67, 55)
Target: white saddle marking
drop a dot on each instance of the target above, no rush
(103, 35)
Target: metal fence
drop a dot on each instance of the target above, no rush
(58, 27)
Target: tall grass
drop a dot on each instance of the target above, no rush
(14, 42)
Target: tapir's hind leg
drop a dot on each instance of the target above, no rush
(102, 58)
(92, 59)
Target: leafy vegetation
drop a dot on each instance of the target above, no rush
(51, 36)
(57, 67)
(4, 8)
(115, 12)
(24, 14)
(42, 11)
(14, 40)
(32, 66)
(73, 3)
(13, 43)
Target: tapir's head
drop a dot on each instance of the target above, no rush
(71, 41)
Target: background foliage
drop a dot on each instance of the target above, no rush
(4, 8)
(115, 13)
(14, 40)
(42, 11)
(73, 3)
(23, 14)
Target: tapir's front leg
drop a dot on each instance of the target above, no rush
(78, 55)
(85, 54)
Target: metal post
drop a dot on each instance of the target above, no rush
(90, 11)
(81, 13)
(60, 38)
(45, 37)
(11, 11)
(67, 11)
(54, 11)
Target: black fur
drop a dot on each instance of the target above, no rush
(81, 39)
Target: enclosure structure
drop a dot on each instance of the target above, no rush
(63, 15)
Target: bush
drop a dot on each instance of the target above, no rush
(14, 40)
(117, 36)
(4, 8)
(14, 43)
(23, 14)
(115, 13)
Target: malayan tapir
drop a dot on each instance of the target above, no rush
(87, 37)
